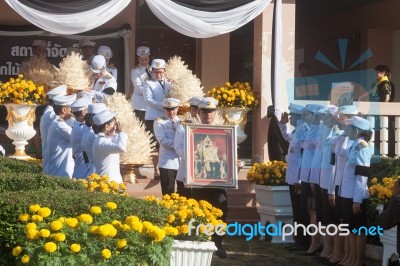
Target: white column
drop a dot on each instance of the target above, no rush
(384, 136)
(397, 135)
(371, 143)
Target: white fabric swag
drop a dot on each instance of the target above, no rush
(70, 23)
(201, 24)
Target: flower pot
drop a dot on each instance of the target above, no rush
(274, 207)
(128, 172)
(235, 116)
(192, 253)
(20, 119)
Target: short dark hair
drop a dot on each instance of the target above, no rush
(57, 109)
(382, 68)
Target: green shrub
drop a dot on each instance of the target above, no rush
(385, 167)
(34, 181)
(8, 165)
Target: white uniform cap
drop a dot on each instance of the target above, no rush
(208, 103)
(105, 51)
(64, 100)
(81, 103)
(98, 64)
(171, 103)
(194, 101)
(312, 108)
(95, 108)
(332, 110)
(158, 63)
(86, 42)
(41, 43)
(143, 51)
(359, 122)
(59, 90)
(295, 108)
(103, 117)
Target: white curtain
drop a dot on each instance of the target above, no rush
(70, 23)
(201, 24)
(277, 54)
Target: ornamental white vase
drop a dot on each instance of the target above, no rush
(192, 253)
(274, 206)
(235, 116)
(389, 241)
(20, 119)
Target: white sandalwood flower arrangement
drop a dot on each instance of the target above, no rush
(40, 71)
(140, 147)
(75, 72)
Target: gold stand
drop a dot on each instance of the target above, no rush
(128, 172)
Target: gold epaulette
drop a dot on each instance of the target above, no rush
(159, 119)
(111, 65)
(363, 144)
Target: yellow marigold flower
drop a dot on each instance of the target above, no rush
(16, 251)
(24, 217)
(44, 212)
(34, 208)
(36, 218)
(106, 253)
(44, 233)
(72, 222)
(30, 226)
(171, 218)
(25, 259)
(85, 218)
(171, 231)
(95, 209)
(60, 237)
(121, 243)
(93, 229)
(75, 248)
(111, 205)
(56, 225)
(50, 247)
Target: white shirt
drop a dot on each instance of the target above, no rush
(106, 151)
(108, 81)
(138, 78)
(81, 168)
(87, 146)
(59, 149)
(179, 147)
(154, 94)
(45, 121)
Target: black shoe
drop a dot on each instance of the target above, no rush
(221, 253)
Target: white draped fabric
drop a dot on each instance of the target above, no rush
(201, 24)
(278, 54)
(70, 23)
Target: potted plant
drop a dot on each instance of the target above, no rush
(234, 101)
(187, 219)
(272, 194)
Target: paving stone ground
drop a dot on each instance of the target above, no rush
(260, 252)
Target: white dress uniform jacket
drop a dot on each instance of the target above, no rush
(45, 121)
(81, 167)
(316, 160)
(355, 186)
(113, 71)
(138, 77)
(59, 149)
(327, 170)
(154, 94)
(179, 147)
(340, 146)
(164, 131)
(294, 154)
(309, 147)
(106, 152)
(102, 83)
(87, 146)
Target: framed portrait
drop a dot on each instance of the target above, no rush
(211, 156)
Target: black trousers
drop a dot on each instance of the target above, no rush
(300, 216)
(182, 190)
(167, 178)
(140, 114)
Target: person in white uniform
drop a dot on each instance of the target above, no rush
(164, 130)
(79, 110)
(155, 91)
(47, 118)
(89, 135)
(104, 84)
(109, 143)
(139, 75)
(61, 162)
(354, 188)
(107, 53)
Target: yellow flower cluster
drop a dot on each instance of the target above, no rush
(381, 191)
(97, 183)
(237, 94)
(183, 210)
(268, 173)
(52, 235)
(19, 90)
